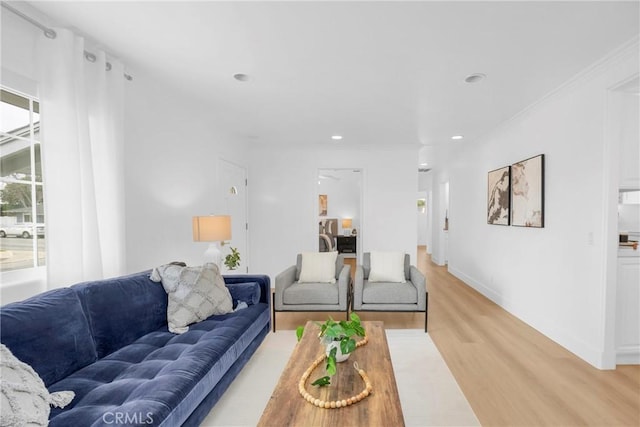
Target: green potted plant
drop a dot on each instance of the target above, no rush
(339, 342)
(232, 260)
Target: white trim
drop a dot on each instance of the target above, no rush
(628, 355)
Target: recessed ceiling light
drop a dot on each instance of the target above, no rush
(456, 137)
(241, 77)
(423, 164)
(336, 137)
(475, 78)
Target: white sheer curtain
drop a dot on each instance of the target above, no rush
(82, 143)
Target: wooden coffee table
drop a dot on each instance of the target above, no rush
(286, 406)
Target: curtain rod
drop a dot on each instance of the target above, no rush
(50, 33)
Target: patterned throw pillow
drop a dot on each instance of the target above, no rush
(24, 400)
(195, 293)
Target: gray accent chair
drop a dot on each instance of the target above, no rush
(387, 296)
(290, 295)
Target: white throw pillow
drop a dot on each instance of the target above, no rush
(195, 293)
(318, 267)
(387, 267)
(24, 400)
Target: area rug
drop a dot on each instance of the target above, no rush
(429, 395)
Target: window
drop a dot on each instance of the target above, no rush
(22, 241)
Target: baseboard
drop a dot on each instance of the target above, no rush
(478, 286)
(546, 328)
(628, 355)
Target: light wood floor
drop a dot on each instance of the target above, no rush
(511, 374)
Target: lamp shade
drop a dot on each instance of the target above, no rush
(346, 223)
(212, 228)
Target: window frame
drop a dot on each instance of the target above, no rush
(37, 271)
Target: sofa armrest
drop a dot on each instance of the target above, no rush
(263, 280)
(418, 280)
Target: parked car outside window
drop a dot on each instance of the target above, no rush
(24, 230)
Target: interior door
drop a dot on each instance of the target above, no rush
(233, 192)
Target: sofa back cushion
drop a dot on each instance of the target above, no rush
(50, 333)
(122, 309)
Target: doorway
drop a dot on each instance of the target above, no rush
(621, 306)
(233, 192)
(339, 211)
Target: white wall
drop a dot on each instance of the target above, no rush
(19, 40)
(284, 206)
(172, 149)
(551, 278)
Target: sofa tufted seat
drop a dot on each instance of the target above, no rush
(133, 370)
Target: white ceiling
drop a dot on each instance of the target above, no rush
(378, 73)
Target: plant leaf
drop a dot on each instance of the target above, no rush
(331, 361)
(299, 332)
(321, 382)
(347, 346)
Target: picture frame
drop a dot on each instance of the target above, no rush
(322, 204)
(527, 192)
(499, 196)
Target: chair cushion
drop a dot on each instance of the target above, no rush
(387, 267)
(389, 293)
(318, 267)
(311, 293)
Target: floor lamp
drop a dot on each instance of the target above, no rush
(214, 229)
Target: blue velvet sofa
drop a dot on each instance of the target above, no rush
(108, 342)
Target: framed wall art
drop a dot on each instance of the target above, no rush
(499, 196)
(527, 192)
(322, 204)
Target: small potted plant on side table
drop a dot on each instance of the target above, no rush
(232, 260)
